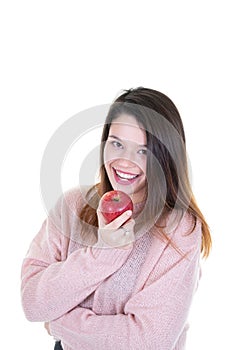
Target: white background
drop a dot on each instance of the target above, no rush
(61, 57)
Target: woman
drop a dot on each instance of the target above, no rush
(128, 284)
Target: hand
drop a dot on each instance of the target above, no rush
(118, 233)
(46, 326)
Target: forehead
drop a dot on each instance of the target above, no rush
(126, 127)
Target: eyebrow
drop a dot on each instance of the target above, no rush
(117, 138)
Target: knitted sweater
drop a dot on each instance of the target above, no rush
(98, 298)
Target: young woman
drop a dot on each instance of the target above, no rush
(127, 284)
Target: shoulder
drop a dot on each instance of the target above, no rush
(184, 231)
(70, 202)
(65, 215)
(76, 197)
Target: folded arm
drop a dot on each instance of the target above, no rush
(53, 283)
(154, 318)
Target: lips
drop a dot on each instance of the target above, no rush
(123, 177)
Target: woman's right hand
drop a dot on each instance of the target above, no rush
(119, 233)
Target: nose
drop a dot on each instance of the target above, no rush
(125, 163)
(127, 157)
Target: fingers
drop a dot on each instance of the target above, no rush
(46, 326)
(124, 236)
(117, 233)
(118, 238)
(116, 223)
(129, 225)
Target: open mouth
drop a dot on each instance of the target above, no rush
(123, 177)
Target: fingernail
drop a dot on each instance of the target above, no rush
(129, 212)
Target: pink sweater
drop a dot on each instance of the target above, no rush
(137, 298)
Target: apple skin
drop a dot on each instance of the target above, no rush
(113, 203)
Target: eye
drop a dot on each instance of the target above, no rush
(116, 144)
(142, 151)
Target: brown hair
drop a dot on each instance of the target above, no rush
(168, 185)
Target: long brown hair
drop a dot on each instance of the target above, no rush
(168, 185)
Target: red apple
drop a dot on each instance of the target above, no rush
(114, 203)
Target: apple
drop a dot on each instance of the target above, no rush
(114, 203)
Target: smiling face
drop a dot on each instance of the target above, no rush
(125, 157)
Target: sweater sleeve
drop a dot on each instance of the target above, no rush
(154, 318)
(53, 284)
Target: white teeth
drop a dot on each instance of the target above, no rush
(125, 176)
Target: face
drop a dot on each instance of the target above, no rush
(125, 157)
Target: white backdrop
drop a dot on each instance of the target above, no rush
(61, 57)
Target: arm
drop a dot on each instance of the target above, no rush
(153, 318)
(49, 291)
(53, 284)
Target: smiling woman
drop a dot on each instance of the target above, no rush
(100, 288)
(125, 157)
